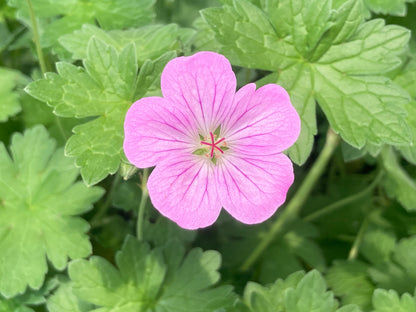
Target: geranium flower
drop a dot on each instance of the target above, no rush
(212, 147)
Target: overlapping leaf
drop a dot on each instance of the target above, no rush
(9, 99)
(399, 271)
(396, 7)
(297, 293)
(150, 41)
(320, 51)
(398, 183)
(152, 280)
(390, 301)
(105, 88)
(63, 17)
(39, 204)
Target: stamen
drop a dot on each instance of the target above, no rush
(214, 145)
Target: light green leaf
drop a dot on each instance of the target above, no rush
(398, 183)
(322, 52)
(349, 280)
(39, 204)
(396, 7)
(399, 272)
(362, 108)
(406, 78)
(150, 41)
(63, 17)
(9, 98)
(310, 295)
(64, 300)
(271, 298)
(378, 244)
(389, 301)
(105, 89)
(297, 249)
(151, 280)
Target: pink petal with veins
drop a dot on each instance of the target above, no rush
(184, 190)
(251, 188)
(202, 85)
(154, 129)
(262, 122)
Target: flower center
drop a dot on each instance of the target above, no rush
(215, 146)
(211, 146)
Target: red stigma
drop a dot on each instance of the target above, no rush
(213, 144)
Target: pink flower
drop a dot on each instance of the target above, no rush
(212, 147)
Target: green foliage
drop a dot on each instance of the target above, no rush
(349, 245)
(396, 7)
(63, 17)
(39, 204)
(398, 271)
(150, 41)
(162, 279)
(310, 45)
(349, 280)
(9, 104)
(297, 293)
(105, 88)
(389, 301)
(398, 183)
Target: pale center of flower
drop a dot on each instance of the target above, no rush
(211, 146)
(215, 146)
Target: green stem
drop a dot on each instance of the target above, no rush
(294, 206)
(104, 208)
(36, 37)
(358, 240)
(142, 205)
(345, 201)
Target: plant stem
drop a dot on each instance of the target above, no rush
(142, 205)
(345, 201)
(104, 208)
(294, 206)
(36, 37)
(357, 242)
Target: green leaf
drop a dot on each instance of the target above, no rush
(57, 19)
(105, 89)
(149, 280)
(363, 108)
(324, 53)
(64, 300)
(297, 249)
(39, 204)
(310, 295)
(398, 183)
(150, 41)
(399, 272)
(9, 103)
(389, 301)
(378, 244)
(406, 78)
(349, 280)
(271, 298)
(397, 7)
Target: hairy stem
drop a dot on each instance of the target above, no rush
(142, 205)
(358, 240)
(36, 37)
(294, 206)
(104, 208)
(345, 201)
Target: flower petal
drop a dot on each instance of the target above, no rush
(153, 130)
(252, 188)
(184, 190)
(262, 121)
(203, 85)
